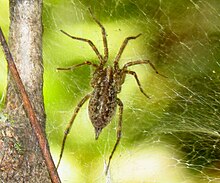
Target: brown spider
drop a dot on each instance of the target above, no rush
(107, 82)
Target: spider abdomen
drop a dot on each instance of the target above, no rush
(103, 100)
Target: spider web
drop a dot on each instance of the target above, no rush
(172, 137)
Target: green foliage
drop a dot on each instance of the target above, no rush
(181, 119)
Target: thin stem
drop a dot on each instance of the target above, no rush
(30, 111)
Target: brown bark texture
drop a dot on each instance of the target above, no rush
(20, 158)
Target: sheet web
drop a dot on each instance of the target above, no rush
(172, 137)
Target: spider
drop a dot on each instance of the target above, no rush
(106, 82)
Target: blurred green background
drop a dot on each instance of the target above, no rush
(172, 137)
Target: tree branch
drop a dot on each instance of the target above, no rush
(30, 112)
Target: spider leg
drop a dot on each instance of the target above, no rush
(104, 38)
(67, 130)
(138, 62)
(137, 80)
(78, 65)
(119, 128)
(124, 44)
(89, 42)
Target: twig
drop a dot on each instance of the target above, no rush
(30, 111)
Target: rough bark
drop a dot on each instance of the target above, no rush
(21, 159)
